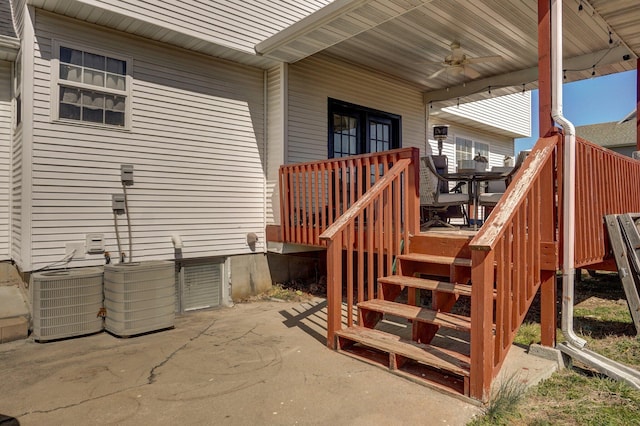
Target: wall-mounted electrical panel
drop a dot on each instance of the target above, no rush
(117, 203)
(126, 174)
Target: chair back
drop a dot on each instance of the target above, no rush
(500, 185)
(441, 165)
(428, 181)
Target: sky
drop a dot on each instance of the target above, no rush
(596, 100)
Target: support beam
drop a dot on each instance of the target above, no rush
(545, 122)
(638, 104)
(514, 80)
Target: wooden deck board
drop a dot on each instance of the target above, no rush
(417, 313)
(442, 260)
(426, 284)
(392, 344)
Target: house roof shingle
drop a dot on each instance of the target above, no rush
(612, 134)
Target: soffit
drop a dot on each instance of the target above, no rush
(412, 44)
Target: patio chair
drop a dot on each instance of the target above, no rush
(495, 189)
(435, 199)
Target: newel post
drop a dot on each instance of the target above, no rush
(334, 288)
(413, 195)
(482, 348)
(549, 257)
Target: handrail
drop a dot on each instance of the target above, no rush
(514, 254)
(364, 201)
(314, 194)
(372, 233)
(504, 212)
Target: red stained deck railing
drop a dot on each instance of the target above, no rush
(514, 253)
(314, 195)
(373, 227)
(606, 183)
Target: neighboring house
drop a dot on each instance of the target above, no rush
(487, 127)
(618, 136)
(176, 89)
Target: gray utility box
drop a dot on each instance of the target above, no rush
(66, 303)
(139, 297)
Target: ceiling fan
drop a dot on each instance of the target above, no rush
(458, 62)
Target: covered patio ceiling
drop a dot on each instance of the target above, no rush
(410, 39)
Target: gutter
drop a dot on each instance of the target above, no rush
(574, 346)
(569, 172)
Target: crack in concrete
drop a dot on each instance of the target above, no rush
(151, 378)
(75, 404)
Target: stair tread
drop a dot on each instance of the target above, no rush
(431, 355)
(444, 319)
(432, 258)
(427, 284)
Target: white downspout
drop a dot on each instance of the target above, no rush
(569, 177)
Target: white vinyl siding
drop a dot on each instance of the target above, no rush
(196, 144)
(275, 145)
(19, 9)
(499, 146)
(6, 125)
(313, 80)
(511, 112)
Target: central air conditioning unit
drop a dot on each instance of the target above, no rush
(139, 297)
(66, 303)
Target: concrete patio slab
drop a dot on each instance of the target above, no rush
(256, 363)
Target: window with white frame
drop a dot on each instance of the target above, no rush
(92, 87)
(467, 149)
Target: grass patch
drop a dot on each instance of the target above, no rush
(570, 397)
(279, 292)
(502, 408)
(580, 396)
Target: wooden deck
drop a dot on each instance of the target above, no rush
(381, 265)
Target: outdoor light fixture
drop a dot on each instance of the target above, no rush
(440, 133)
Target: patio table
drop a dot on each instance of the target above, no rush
(474, 177)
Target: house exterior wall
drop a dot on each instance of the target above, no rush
(313, 80)
(499, 146)
(15, 222)
(18, 7)
(511, 113)
(196, 142)
(6, 125)
(276, 125)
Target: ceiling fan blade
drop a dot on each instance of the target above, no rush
(471, 73)
(483, 59)
(437, 73)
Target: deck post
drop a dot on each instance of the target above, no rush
(413, 196)
(334, 289)
(544, 68)
(548, 317)
(482, 277)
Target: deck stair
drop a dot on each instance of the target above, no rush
(428, 344)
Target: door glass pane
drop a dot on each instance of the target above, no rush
(379, 139)
(345, 135)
